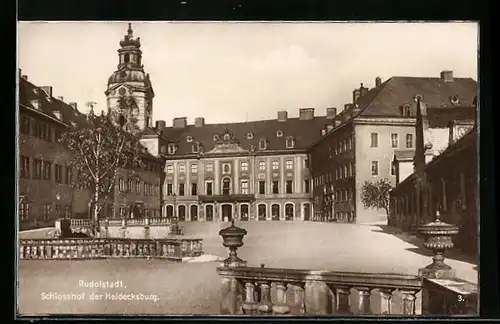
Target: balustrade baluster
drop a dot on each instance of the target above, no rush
(21, 251)
(40, 252)
(56, 252)
(408, 297)
(265, 306)
(385, 301)
(342, 300)
(363, 301)
(249, 305)
(281, 307)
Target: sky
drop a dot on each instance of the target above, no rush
(237, 71)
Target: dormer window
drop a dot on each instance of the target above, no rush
(279, 133)
(406, 111)
(216, 138)
(189, 139)
(262, 144)
(57, 113)
(249, 136)
(171, 148)
(227, 137)
(35, 104)
(196, 147)
(455, 100)
(73, 124)
(163, 149)
(290, 142)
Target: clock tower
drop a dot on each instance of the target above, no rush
(129, 92)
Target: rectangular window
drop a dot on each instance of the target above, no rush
(121, 185)
(289, 186)
(463, 194)
(47, 168)
(209, 167)
(181, 189)
(276, 187)
(374, 168)
(58, 170)
(444, 203)
(374, 140)
(394, 140)
(244, 166)
(262, 165)
(170, 168)
(138, 187)
(182, 168)
(24, 211)
(25, 125)
(276, 165)
(25, 167)
(146, 189)
(170, 189)
(306, 163)
(244, 187)
(289, 164)
(194, 189)
(47, 209)
(262, 187)
(194, 168)
(209, 188)
(346, 175)
(409, 140)
(306, 186)
(393, 168)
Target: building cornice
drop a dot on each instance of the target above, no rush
(44, 115)
(232, 155)
(384, 121)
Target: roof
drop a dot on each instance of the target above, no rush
(304, 133)
(404, 155)
(48, 106)
(441, 117)
(390, 96)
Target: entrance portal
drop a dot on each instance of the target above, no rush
(227, 213)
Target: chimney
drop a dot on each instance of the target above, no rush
(331, 112)
(355, 95)
(180, 122)
(306, 113)
(355, 110)
(47, 90)
(362, 90)
(73, 105)
(160, 125)
(282, 115)
(60, 98)
(25, 77)
(447, 76)
(378, 82)
(199, 122)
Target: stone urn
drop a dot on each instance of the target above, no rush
(232, 237)
(438, 237)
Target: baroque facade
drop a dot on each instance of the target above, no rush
(361, 143)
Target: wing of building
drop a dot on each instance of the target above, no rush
(377, 127)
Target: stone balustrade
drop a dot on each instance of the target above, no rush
(136, 222)
(272, 291)
(76, 248)
(82, 223)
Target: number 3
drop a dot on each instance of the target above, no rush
(460, 298)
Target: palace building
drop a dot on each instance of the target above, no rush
(378, 127)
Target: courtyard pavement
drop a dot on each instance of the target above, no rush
(193, 288)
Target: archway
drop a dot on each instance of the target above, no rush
(227, 213)
(307, 212)
(182, 213)
(194, 213)
(244, 212)
(261, 211)
(170, 211)
(289, 212)
(275, 212)
(209, 213)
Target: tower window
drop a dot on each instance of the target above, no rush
(122, 120)
(127, 57)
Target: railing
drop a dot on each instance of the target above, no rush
(80, 223)
(136, 222)
(60, 249)
(271, 291)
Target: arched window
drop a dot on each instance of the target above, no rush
(244, 212)
(275, 212)
(226, 186)
(122, 120)
(307, 212)
(126, 57)
(290, 142)
(194, 213)
(262, 144)
(262, 210)
(289, 211)
(182, 213)
(170, 212)
(209, 213)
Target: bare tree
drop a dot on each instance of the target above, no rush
(98, 151)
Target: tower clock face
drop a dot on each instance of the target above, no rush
(122, 91)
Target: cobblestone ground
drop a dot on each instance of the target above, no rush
(193, 288)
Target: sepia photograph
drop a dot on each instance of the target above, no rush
(247, 168)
